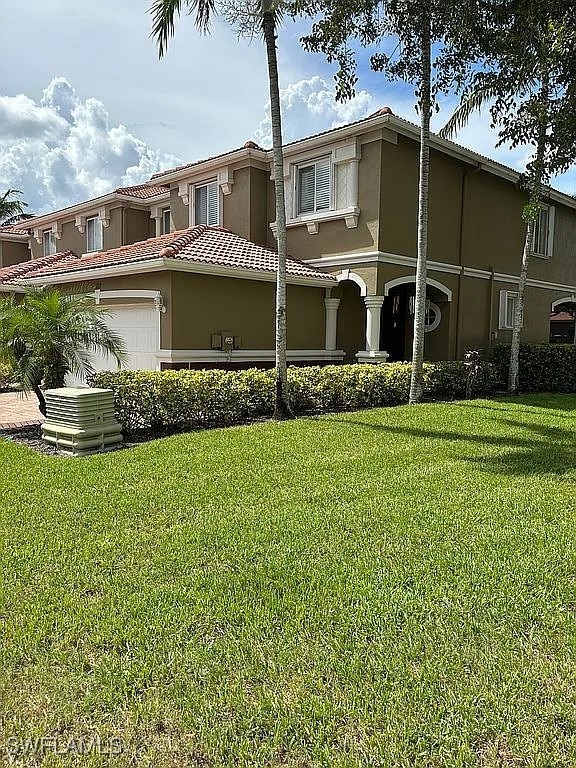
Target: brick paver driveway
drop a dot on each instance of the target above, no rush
(16, 410)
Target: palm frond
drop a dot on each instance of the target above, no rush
(165, 12)
(48, 334)
(10, 206)
(471, 103)
(17, 219)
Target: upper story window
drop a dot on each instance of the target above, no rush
(206, 204)
(166, 221)
(544, 232)
(93, 234)
(313, 186)
(49, 242)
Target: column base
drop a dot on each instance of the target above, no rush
(378, 356)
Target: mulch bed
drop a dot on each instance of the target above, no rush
(31, 437)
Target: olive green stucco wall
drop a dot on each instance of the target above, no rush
(137, 226)
(13, 252)
(203, 305)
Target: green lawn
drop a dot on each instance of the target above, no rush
(384, 588)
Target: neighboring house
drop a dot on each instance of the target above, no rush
(352, 196)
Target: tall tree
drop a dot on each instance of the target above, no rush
(47, 335)
(413, 28)
(164, 13)
(12, 210)
(529, 76)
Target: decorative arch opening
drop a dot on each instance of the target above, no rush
(411, 280)
(397, 321)
(563, 321)
(347, 274)
(351, 323)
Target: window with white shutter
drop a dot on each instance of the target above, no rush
(314, 190)
(206, 204)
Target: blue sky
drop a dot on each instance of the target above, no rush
(85, 105)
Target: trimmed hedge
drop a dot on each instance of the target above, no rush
(543, 367)
(193, 399)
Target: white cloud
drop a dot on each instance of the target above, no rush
(64, 149)
(310, 106)
(20, 116)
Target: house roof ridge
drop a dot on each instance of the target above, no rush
(187, 237)
(133, 189)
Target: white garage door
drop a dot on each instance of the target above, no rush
(140, 329)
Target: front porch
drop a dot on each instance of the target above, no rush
(371, 317)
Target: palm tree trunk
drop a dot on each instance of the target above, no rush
(533, 209)
(282, 406)
(416, 381)
(41, 399)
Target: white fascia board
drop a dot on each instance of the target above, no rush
(11, 288)
(174, 265)
(376, 257)
(71, 211)
(12, 238)
(336, 135)
(94, 205)
(140, 202)
(203, 166)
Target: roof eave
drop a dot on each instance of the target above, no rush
(14, 238)
(175, 265)
(212, 163)
(89, 205)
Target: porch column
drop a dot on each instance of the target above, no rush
(331, 322)
(373, 353)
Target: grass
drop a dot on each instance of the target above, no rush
(386, 588)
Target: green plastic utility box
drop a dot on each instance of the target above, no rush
(80, 421)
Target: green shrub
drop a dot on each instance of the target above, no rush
(6, 374)
(542, 367)
(192, 399)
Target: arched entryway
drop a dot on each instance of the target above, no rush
(351, 324)
(563, 321)
(397, 320)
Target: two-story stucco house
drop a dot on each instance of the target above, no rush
(186, 262)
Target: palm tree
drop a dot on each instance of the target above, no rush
(46, 335)
(12, 209)
(530, 87)
(164, 13)
(417, 376)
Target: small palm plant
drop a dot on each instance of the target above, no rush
(46, 335)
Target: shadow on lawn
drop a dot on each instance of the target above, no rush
(544, 450)
(527, 404)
